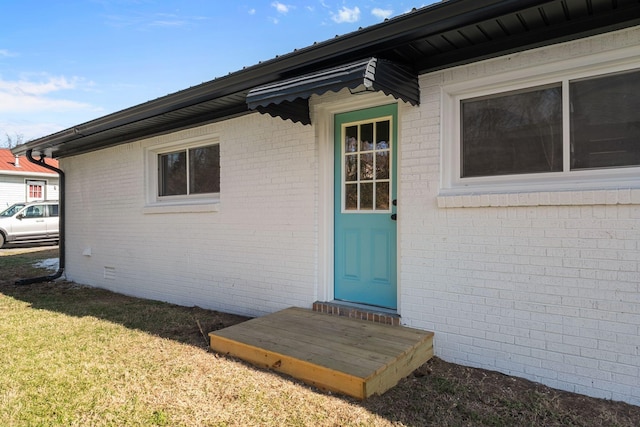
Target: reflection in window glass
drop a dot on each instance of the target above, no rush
(204, 170)
(366, 176)
(382, 165)
(512, 133)
(351, 167)
(366, 166)
(351, 196)
(351, 139)
(366, 137)
(192, 171)
(173, 174)
(366, 196)
(382, 196)
(605, 121)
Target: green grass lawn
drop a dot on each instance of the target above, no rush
(78, 356)
(73, 355)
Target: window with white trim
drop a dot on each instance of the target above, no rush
(183, 173)
(189, 171)
(574, 129)
(35, 190)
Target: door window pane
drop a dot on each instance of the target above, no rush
(382, 135)
(351, 139)
(351, 197)
(605, 121)
(367, 164)
(351, 167)
(382, 165)
(512, 133)
(382, 195)
(366, 137)
(366, 196)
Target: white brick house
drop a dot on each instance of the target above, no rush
(528, 272)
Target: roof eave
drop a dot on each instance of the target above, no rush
(363, 43)
(308, 59)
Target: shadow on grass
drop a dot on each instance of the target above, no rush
(438, 393)
(189, 325)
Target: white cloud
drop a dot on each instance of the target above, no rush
(40, 104)
(381, 13)
(252, 11)
(28, 96)
(280, 7)
(155, 20)
(346, 15)
(168, 23)
(27, 129)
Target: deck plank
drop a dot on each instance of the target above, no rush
(350, 341)
(350, 356)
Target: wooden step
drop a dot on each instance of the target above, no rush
(350, 356)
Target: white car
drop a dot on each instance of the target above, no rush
(29, 222)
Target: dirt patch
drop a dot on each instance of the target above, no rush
(442, 393)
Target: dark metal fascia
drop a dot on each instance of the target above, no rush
(87, 145)
(410, 27)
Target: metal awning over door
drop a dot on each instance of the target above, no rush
(289, 99)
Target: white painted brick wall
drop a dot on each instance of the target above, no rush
(540, 285)
(255, 256)
(544, 286)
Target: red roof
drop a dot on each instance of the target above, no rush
(8, 163)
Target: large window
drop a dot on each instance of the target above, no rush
(556, 131)
(605, 121)
(189, 171)
(513, 133)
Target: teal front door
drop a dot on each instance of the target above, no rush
(365, 220)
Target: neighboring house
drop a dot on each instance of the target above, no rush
(473, 166)
(23, 181)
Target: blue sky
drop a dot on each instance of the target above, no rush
(63, 63)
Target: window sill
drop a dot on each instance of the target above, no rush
(170, 208)
(624, 196)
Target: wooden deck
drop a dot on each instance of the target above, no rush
(349, 356)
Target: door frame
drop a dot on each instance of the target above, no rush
(322, 114)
